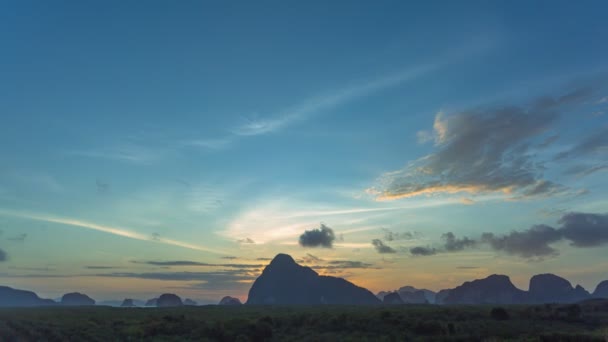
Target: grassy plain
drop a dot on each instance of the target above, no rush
(586, 322)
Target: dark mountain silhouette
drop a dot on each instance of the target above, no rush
(411, 295)
(283, 281)
(118, 303)
(416, 298)
(392, 298)
(495, 289)
(13, 298)
(441, 296)
(128, 303)
(601, 291)
(230, 301)
(549, 288)
(190, 302)
(579, 294)
(168, 300)
(76, 299)
(151, 302)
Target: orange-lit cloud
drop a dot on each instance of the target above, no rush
(448, 189)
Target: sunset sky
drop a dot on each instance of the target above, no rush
(177, 146)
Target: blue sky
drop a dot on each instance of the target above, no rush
(219, 133)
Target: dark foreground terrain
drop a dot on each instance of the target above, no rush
(580, 322)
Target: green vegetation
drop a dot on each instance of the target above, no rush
(586, 322)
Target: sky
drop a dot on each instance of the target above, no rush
(162, 146)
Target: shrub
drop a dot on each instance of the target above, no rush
(499, 314)
(428, 328)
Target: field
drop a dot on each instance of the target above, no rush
(585, 322)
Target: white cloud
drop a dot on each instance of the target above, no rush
(423, 137)
(212, 144)
(127, 152)
(118, 231)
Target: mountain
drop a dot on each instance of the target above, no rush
(13, 297)
(549, 288)
(230, 301)
(495, 289)
(416, 299)
(283, 281)
(601, 291)
(411, 295)
(76, 299)
(392, 298)
(151, 302)
(190, 302)
(168, 300)
(127, 303)
(441, 296)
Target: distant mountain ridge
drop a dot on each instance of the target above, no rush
(495, 289)
(548, 288)
(498, 289)
(10, 297)
(410, 295)
(285, 282)
(601, 291)
(76, 299)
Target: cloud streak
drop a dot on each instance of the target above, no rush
(343, 264)
(222, 276)
(195, 263)
(322, 103)
(118, 231)
(594, 145)
(325, 102)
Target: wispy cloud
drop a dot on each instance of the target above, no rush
(323, 103)
(130, 152)
(318, 104)
(212, 144)
(195, 263)
(282, 219)
(119, 231)
(232, 276)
